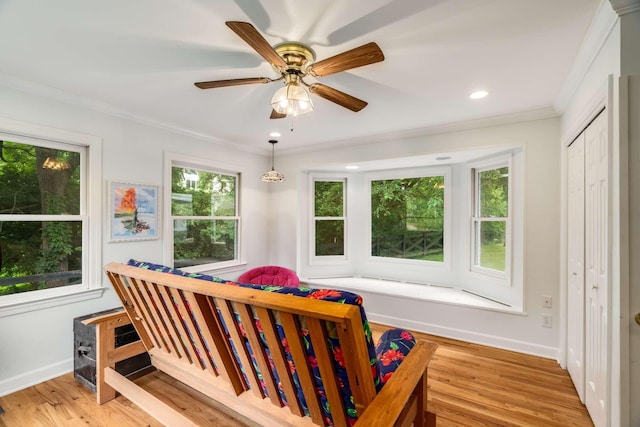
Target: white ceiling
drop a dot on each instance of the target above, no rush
(141, 58)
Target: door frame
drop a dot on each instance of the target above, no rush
(612, 97)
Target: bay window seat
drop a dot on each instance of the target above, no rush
(444, 294)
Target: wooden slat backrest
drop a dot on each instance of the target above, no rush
(296, 347)
(259, 353)
(211, 327)
(318, 335)
(226, 311)
(279, 358)
(184, 321)
(182, 326)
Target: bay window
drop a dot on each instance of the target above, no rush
(458, 226)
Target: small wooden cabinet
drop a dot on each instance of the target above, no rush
(102, 339)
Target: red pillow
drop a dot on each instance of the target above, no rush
(271, 275)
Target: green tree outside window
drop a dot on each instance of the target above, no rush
(329, 218)
(490, 222)
(41, 229)
(407, 218)
(205, 219)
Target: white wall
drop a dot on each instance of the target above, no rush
(38, 345)
(542, 206)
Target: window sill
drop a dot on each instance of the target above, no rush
(232, 268)
(42, 300)
(432, 293)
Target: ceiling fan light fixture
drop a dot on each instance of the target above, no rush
(294, 61)
(273, 175)
(292, 100)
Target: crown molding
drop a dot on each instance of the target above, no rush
(58, 95)
(506, 119)
(622, 7)
(601, 27)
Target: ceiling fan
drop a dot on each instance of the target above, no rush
(294, 61)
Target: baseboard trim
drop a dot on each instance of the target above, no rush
(469, 336)
(35, 376)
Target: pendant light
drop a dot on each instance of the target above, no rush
(272, 175)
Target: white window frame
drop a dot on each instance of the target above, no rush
(90, 149)
(312, 243)
(179, 160)
(455, 272)
(505, 275)
(429, 171)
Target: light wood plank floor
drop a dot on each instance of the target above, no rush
(474, 385)
(469, 385)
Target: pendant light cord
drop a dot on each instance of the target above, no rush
(273, 143)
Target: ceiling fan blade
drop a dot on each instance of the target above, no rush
(232, 82)
(340, 98)
(369, 53)
(253, 38)
(276, 115)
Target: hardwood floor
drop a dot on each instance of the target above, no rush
(474, 385)
(469, 385)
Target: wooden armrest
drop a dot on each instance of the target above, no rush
(388, 405)
(119, 316)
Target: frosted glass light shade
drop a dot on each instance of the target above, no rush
(292, 100)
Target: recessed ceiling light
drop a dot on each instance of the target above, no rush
(275, 134)
(443, 158)
(479, 94)
(352, 167)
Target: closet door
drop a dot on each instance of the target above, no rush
(575, 270)
(596, 262)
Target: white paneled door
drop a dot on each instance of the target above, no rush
(588, 268)
(596, 269)
(575, 270)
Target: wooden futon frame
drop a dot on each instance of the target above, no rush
(183, 320)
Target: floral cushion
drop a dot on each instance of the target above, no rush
(385, 357)
(391, 349)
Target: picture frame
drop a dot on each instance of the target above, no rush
(133, 212)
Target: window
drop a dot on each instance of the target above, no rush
(457, 226)
(42, 220)
(407, 218)
(329, 217)
(205, 217)
(49, 192)
(490, 242)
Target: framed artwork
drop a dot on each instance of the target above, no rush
(133, 212)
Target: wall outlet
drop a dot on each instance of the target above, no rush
(546, 320)
(546, 301)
